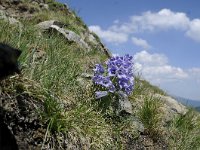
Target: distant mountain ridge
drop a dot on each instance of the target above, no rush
(197, 108)
(187, 101)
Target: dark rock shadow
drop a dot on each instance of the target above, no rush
(7, 139)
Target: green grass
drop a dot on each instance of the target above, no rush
(150, 116)
(57, 73)
(185, 131)
(81, 124)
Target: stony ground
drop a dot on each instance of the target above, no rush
(19, 114)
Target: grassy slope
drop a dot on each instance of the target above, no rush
(56, 74)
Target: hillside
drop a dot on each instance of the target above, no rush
(52, 103)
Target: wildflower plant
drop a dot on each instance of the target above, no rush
(116, 76)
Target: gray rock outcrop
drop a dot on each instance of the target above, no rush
(68, 34)
(170, 107)
(124, 105)
(46, 25)
(71, 36)
(8, 60)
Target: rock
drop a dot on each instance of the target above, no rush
(16, 2)
(34, 2)
(84, 79)
(46, 25)
(87, 75)
(170, 107)
(3, 15)
(92, 39)
(138, 124)
(81, 81)
(2, 8)
(90, 36)
(8, 60)
(68, 34)
(38, 1)
(44, 6)
(148, 143)
(20, 124)
(11, 20)
(23, 8)
(172, 104)
(7, 139)
(71, 36)
(37, 55)
(124, 105)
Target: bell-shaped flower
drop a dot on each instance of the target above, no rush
(98, 70)
(100, 94)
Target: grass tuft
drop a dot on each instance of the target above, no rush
(185, 131)
(150, 116)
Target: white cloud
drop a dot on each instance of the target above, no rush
(155, 68)
(109, 36)
(194, 30)
(195, 74)
(161, 20)
(140, 42)
(195, 71)
(127, 28)
(146, 58)
(164, 19)
(177, 81)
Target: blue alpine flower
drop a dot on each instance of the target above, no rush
(118, 75)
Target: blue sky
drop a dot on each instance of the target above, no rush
(162, 35)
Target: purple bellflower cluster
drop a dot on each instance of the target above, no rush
(118, 76)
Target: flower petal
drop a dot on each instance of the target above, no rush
(100, 94)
